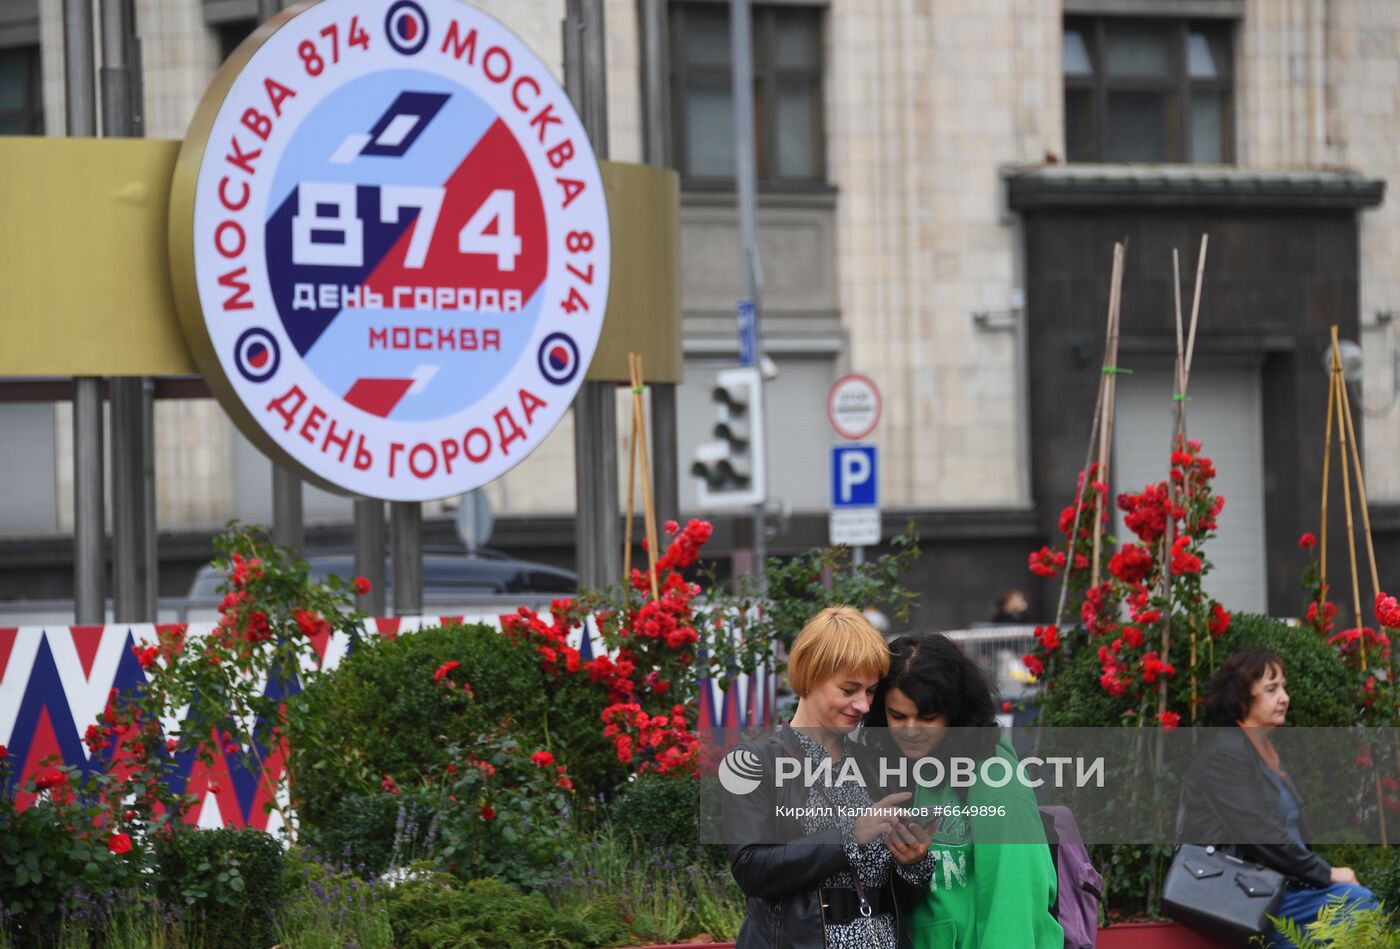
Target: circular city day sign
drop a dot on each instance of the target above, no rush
(853, 406)
(389, 244)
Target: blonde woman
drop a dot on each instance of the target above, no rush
(816, 862)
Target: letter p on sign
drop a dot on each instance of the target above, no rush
(853, 476)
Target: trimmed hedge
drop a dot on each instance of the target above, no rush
(380, 713)
(1319, 686)
(231, 884)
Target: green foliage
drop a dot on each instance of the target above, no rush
(329, 909)
(1318, 682)
(1336, 926)
(504, 813)
(433, 910)
(794, 589)
(121, 923)
(1377, 868)
(230, 883)
(661, 894)
(659, 811)
(380, 713)
(1318, 686)
(46, 867)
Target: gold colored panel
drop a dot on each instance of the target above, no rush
(83, 259)
(644, 297)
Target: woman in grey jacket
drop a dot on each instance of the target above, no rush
(1238, 796)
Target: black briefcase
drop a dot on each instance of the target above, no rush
(1221, 895)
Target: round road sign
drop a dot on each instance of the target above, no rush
(854, 406)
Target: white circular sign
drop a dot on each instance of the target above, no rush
(400, 251)
(853, 406)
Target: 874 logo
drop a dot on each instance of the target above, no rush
(409, 216)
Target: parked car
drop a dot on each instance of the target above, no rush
(452, 582)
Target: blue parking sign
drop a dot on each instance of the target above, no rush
(854, 476)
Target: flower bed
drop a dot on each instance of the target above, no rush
(516, 786)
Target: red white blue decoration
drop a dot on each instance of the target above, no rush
(400, 241)
(55, 680)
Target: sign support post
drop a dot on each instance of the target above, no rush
(746, 187)
(369, 553)
(133, 530)
(652, 18)
(853, 407)
(406, 536)
(89, 519)
(599, 535)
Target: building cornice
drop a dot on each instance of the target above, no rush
(1061, 187)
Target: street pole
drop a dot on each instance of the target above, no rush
(595, 407)
(746, 188)
(369, 552)
(406, 536)
(288, 515)
(651, 16)
(89, 517)
(133, 538)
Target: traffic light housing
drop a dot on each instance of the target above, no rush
(731, 470)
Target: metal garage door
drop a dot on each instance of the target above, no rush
(1225, 414)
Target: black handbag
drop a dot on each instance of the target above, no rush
(1220, 894)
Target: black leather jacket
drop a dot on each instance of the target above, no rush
(1228, 799)
(781, 881)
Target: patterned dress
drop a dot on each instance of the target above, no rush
(873, 861)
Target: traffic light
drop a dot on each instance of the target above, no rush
(731, 468)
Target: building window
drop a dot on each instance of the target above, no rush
(787, 74)
(233, 33)
(1139, 90)
(21, 100)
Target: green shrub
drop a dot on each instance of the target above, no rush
(381, 713)
(659, 811)
(369, 833)
(661, 895)
(329, 909)
(1319, 686)
(436, 911)
(229, 882)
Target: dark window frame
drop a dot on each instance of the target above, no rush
(768, 77)
(1177, 87)
(32, 111)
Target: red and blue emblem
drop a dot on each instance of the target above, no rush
(401, 246)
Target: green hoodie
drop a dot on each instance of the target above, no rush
(988, 895)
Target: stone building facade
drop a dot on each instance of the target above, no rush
(921, 165)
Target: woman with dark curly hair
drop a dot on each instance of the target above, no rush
(1238, 796)
(994, 883)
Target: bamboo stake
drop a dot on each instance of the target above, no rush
(1106, 416)
(1178, 425)
(1179, 415)
(1181, 403)
(649, 507)
(1360, 490)
(1079, 505)
(1346, 497)
(1350, 435)
(1326, 471)
(1196, 303)
(631, 502)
